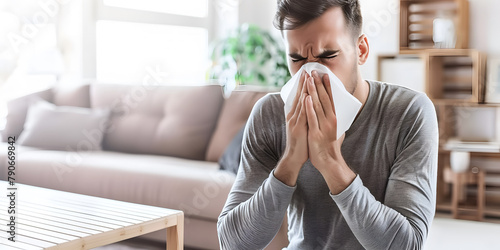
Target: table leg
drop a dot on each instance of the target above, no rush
(175, 235)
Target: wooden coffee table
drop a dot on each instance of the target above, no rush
(51, 219)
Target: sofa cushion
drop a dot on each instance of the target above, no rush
(17, 110)
(19, 149)
(72, 95)
(63, 128)
(233, 116)
(164, 120)
(198, 188)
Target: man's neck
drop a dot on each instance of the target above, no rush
(362, 90)
(361, 93)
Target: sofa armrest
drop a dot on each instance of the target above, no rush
(17, 110)
(233, 116)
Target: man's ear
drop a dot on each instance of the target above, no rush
(363, 49)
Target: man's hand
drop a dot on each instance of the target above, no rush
(323, 144)
(296, 152)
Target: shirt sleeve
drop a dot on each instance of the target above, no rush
(402, 221)
(257, 202)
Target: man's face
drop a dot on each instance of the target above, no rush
(326, 40)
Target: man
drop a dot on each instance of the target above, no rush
(373, 188)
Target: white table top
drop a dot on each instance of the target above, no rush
(51, 219)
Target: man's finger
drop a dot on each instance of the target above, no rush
(297, 94)
(301, 112)
(311, 86)
(304, 82)
(326, 97)
(328, 85)
(312, 119)
(296, 111)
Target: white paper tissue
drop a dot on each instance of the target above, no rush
(346, 105)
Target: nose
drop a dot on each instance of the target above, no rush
(312, 59)
(310, 55)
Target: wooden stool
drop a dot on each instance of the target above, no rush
(461, 180)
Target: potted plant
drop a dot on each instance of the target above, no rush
(249, 56)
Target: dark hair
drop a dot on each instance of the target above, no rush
(292, 14)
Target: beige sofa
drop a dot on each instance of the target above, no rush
(154, 145)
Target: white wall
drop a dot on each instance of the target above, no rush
(259, 12)
(381, 26)
(484, 22)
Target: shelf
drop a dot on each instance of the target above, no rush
(492, 211)
(461, 71)
(444, 151)
(417, 23)
(444, 206)
(409, 51)
(465, 103)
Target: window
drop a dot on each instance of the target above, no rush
(125, 50)
(132, 36)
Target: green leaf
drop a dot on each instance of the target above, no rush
(261, 77)
(252, 49)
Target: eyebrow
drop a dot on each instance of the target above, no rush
(296, 55)
(325, 53)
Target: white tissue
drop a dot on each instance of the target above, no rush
(346, 105)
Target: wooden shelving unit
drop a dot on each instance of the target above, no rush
(455, 77)
(416, 23)
(447, 129)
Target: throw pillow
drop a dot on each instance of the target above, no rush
(230, 159)
(63, 128)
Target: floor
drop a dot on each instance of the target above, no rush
(445, 234)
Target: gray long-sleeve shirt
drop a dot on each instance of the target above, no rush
(392, 146)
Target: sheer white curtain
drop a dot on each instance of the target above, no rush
(30, 56)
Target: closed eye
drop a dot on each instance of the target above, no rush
(298, 60)
(330, 57)
(329, 54)
(296, 57)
